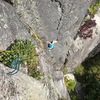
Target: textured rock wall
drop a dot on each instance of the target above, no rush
(49, 20)
(22, 87)
(86, 47)
(57, 19)
(12, 28)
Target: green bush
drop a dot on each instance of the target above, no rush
(90, 77)
(62, 98)
(70, 84)
(79, 70)
(73, 97)
(7, 57)
(26, 51)
(36, 74)
(93, 8)
(27, 54)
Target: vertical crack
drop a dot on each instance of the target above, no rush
(9, 1)
(62, 11)
(59, 23)
(65, 62)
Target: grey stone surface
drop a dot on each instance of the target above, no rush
(22, 87)
(56, 75)
(86, 48)
(54, 19)
(11, 27)
(49, 20)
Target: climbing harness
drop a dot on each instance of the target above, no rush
(15, 62)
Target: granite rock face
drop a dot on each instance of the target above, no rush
(49, 20)
(22, 87)
(86, 47)
(11, 27)
(57, 20)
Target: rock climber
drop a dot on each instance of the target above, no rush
(51, 44)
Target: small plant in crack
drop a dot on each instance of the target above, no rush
(93, 7)
(86, 29)
(20, 13)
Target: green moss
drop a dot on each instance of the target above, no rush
(93, 8)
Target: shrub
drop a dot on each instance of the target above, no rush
(79, 70)
(93, 8)
(62, 98)
(70, 84)
(26, 51)
(73, 97)
(90, 77)
(7, 57)
(27, 54)
(36, 74)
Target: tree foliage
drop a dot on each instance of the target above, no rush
(93, 8)
(89, 77)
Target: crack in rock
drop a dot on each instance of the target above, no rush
(9, 1)
(62, 11)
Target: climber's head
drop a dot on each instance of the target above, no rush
(50, 45)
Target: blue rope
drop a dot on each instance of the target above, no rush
(13, 62)
(17, 61)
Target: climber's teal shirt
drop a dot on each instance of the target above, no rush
(50, 46)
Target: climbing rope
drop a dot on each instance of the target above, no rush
(15, 62)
